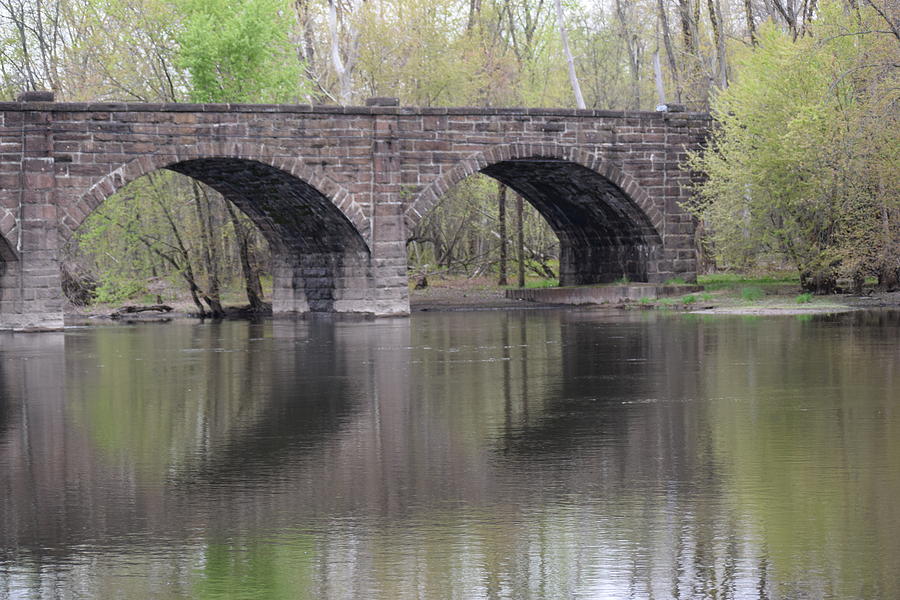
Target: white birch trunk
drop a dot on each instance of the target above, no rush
(573, 76)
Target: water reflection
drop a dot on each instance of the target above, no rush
(498, 455)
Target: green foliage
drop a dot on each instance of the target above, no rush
(752, 293)
(113, 290)
(804, 298)
(734, 281)
(803, 165)
(238, 51)
(127, 240)
(689, 299)
(541, 283)
(706, 297)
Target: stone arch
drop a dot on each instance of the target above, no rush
(607, 225)
(476, 163)
(317, 233)
(73, 215)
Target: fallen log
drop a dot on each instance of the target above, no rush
(131, 309)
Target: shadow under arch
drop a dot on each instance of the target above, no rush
(7, 253)
(608, 226)
(9, 267)
(316, 232)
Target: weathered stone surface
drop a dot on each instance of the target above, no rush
(336, 189)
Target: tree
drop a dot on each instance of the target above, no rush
(570, 61)
(239, 51)
(803, 165)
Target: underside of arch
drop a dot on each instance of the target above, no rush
(320, 260)
(292, 214)
(604, 236)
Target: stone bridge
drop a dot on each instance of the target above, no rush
(336, 190)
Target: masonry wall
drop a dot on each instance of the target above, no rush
(381, 166)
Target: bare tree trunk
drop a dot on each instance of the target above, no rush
(810, 11)
(249, 270)
(670, 52)
(687, 31)
(186, 270)
(657, 75)
(633, 58)
(501, 215)
(715, 19)
(210, 256)
(520, 238)
(751, 25)
(474, 11)
(789, 16)
(573, 76)
(343, 69)
(336, 60)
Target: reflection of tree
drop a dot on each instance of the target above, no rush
(523, 454)
(809, 446)
(193, 400)
(277, 569)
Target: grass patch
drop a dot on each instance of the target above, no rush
(752, 293)
(706, 297)
(646, 300)
(622, 280)
(689, 299)
(541, 283)
(804, 298)
(733, 281)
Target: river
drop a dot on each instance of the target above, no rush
(483, 454)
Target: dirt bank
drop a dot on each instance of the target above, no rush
(483, 294)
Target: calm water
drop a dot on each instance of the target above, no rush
(526, 454)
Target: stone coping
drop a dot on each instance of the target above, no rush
(346, 110)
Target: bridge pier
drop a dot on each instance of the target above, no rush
(334, 282)
(30, 283)
(587, 265)
(31, 295)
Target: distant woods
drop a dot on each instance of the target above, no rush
(618, 54)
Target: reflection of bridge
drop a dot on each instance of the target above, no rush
(335, 189)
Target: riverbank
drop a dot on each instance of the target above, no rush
(721, 295)
(738, 296)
